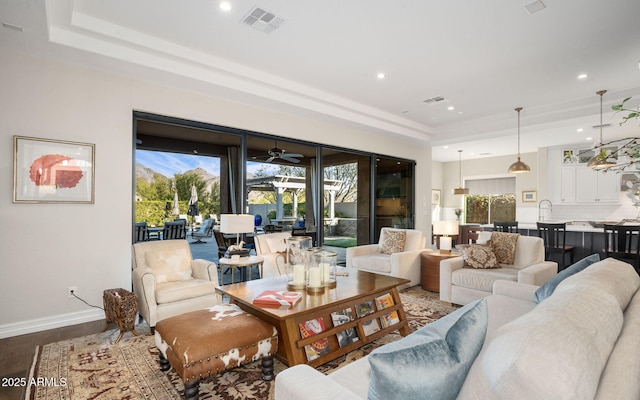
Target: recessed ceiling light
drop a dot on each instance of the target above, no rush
(225, 6)
(445, 147)
(381, 75)
(589, 139)
(451, 108)
(583, 76)
(459, 112)
(579, 130)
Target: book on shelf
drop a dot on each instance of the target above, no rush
(365, 308)
(319, 347)
(370, 326)
(277, 299)
(386, 301)
(348, 335)
(389, 319)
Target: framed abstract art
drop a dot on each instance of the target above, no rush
(52, 171)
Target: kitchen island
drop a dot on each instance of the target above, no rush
(583, 235)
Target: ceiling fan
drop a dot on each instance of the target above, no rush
(276, 152)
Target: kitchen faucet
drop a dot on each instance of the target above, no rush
(548, 205)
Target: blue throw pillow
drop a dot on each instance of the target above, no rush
(433, 362)
(547, 289)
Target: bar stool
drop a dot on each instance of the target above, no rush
(510, 227)
(554, 237)
(622, 242)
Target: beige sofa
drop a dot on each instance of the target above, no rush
(272, 247)
(581, 342)
(460, 285)
(403, 264)
(169, 282)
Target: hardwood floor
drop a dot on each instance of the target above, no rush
(16, 353)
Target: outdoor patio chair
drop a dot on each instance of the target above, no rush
(205, 231)
(141, 232)
(174, 230)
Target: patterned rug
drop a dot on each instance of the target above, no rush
(92, 367)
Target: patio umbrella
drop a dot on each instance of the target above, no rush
(193, 202)
(176, 205)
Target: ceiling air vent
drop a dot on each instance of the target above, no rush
(434, 100)
(262, 20)
(603, 125)
(534, 7)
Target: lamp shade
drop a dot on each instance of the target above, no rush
(236, 223)
(445, 228)
(518, 167)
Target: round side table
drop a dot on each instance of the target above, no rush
(251, 261)
(430, 269)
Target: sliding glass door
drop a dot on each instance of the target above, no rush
(394, 195)
(342, 197)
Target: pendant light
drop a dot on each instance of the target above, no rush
(518, 166)
(460, 189)
(599, 160)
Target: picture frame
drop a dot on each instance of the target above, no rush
(52, 171)
(569, 157)
(435, 197)
(529, 196)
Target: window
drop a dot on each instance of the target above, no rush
(491, 199)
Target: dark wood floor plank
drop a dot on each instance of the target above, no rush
(17, 352)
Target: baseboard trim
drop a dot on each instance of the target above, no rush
(43, 324)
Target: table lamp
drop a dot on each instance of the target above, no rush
(446, 229)
(237, 223)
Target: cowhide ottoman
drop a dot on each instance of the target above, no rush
(204, 343)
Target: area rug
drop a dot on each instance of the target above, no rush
(92, 367)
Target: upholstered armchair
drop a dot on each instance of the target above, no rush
(396, 254)
(169, 282)
(272, 247)
(460, 285)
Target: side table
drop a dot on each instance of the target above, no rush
(250, 261)
(430, 269)
(121, 307)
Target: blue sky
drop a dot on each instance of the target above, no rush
(169, 164)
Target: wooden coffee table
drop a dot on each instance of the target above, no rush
(356, 288)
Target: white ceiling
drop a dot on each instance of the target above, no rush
(484, 57)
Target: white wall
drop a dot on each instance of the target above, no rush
(47, 247)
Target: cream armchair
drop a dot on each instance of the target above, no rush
(272, 247)
(460, 285)
(400, 262)
(169, 282)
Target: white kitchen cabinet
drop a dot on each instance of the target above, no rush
(567, 184)
(596, 186)
(561, 182)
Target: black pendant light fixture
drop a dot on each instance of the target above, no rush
(600, 160)
(518, 166)
(460, 189)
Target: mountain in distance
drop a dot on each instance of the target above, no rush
(146, 173)
(150, 175)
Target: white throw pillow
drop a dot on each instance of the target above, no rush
(168, 266)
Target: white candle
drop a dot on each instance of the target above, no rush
(298, 274)
(326, 271)
(315, 277)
